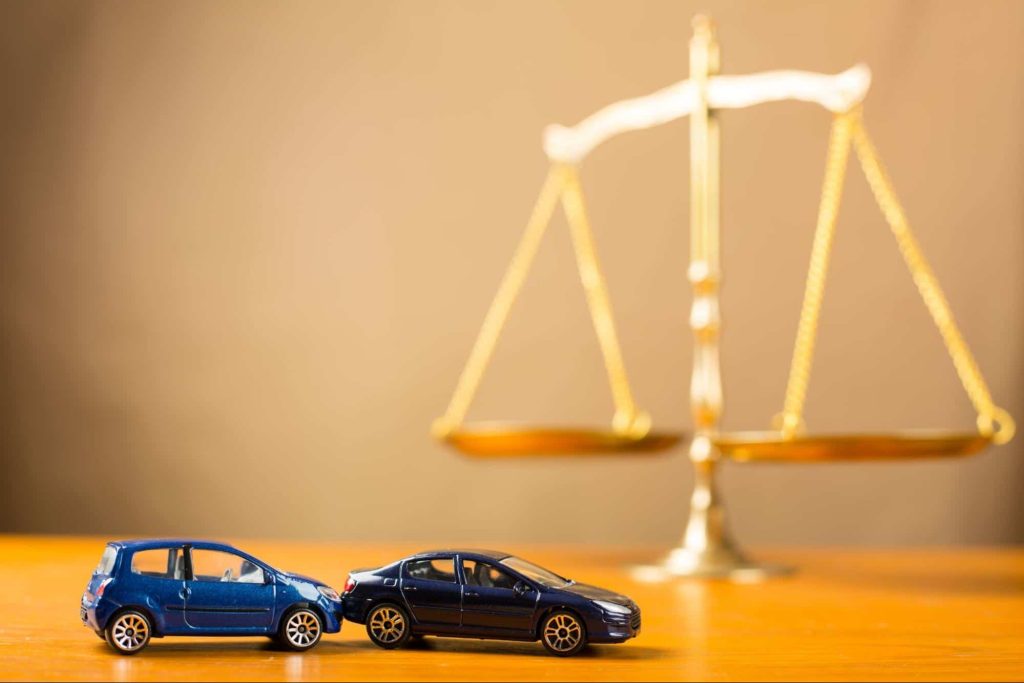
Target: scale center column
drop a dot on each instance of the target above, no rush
(707, 548)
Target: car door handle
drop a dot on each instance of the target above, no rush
(408, 588)
(472, 595)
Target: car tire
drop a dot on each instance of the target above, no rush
(563, 633)
(128, 632)
(388, 626)
(300, 630)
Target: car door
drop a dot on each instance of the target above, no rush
(433, 592)
(226, 592)
(159, 574)
(491, 603)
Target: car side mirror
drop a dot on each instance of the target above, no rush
(521, 589)
(268, 578)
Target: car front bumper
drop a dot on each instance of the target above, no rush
(616, 628)
(334, 614)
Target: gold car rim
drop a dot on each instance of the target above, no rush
(303, 629)
(562, 633)
(387, 625)
(130, 632)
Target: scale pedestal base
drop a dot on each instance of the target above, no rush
(710, 563)
(707, 550)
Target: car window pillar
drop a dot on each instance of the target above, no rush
(187, 550)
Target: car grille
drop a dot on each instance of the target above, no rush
(634, 620)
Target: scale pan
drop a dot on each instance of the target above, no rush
(908, 445)
(503, 439)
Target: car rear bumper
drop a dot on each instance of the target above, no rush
(95, 614)
(355, 609)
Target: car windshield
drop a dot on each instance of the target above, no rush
(106, 564)
(535, 573)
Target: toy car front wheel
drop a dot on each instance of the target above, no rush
(563, 634)
(300, 630)
(128, 632)
(388, 626)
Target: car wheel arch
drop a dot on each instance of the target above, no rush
(560, 607)
(154, 625)
(302, 604)
(396, 599)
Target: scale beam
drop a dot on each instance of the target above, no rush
(837, 93)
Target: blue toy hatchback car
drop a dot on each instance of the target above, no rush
(154, 588)
(485, 594)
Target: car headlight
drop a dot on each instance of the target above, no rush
(328, 593)
(612, 608)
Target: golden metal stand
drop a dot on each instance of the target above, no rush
(707, 548)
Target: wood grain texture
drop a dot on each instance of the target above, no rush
(846, 615)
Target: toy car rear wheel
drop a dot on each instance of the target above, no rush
(300, 630)
(563, 634)
(388, 626)
(128, 632)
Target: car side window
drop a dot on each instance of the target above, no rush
(217, 565)
(160, 563)
(442, 569)
(487, 575)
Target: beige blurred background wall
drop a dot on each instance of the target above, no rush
(246, 247)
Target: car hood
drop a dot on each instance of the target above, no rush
(304, 578)
(594, 593)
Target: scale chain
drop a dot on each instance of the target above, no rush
(828, 213)
(993, 421)
(497, 314)
(627, 419)
(562, 183)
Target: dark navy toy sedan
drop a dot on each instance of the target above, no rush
(485, 594)
(148, 589)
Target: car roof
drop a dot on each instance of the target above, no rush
(470, 553)
(155, 543)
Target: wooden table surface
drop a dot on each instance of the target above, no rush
(845, 615)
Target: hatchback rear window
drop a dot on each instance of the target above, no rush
(106, 564)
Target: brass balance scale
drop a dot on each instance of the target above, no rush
(707, 548)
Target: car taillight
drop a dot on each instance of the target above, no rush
(103, 587)
(350, 585)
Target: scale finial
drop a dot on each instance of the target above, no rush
(703, 25)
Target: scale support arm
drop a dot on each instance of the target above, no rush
(838, 93)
